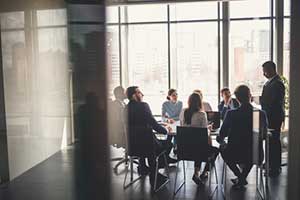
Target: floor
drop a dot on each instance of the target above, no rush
(55, 179)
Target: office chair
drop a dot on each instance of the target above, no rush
(192, 144)
(141, 144)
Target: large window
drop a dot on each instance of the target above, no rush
(194, 59)
(249, 49)
(148, 62)
(180, 46)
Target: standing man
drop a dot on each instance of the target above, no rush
(228, 103)
(272, 102)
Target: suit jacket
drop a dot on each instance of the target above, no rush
(272, 102)
(141, 139)
(238, 127)
(223, 109)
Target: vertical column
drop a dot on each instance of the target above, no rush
(4, 169)
(279, 35)
(294, 126)
(225, 46)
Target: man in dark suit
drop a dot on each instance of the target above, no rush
(140, 125)
(227, 103)
(272, 102)
(238, 127)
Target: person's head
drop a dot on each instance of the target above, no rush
(199, 92)
(269, 69)
(225, 93)
(134, 94)
(242, 94)
(119, 93)
(194, 105)
(172, 95)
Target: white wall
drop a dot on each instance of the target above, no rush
(36, 85)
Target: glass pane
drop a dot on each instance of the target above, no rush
(145, 13)
(249, 8)
(287, 7)
(85, 13)
(249, 49)
(51, 17)
(148, 62)
(286, 49)
(193, 11)
(194, 60)
(12, 20)
(112, 14)
(112, 53)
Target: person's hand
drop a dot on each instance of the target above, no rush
(164, 124)
(171, 121)
(210, 127)
(169, 128)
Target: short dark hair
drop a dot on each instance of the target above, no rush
(269, 65)
(242, 93)
(225, 89)
(131, 91)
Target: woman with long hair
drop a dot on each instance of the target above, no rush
(195, 116)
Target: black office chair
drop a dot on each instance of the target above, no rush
(142, 144)
(192, 144)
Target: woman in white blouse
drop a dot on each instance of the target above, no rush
(195, 116)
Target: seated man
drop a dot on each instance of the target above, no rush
(238, 127)
(227, 103)
(141, 122)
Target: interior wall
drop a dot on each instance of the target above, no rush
(36, 79)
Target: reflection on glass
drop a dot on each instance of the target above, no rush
(36, 87)
(249, 49)
(194, 60)
(145, 13)
(249, 8)
(286, 49)
(51, 17)
(112, 53)
(84, 12)
(12, 20)
(148, 62)
(193, 11)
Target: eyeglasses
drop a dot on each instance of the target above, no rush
(174, 94)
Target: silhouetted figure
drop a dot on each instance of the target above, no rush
(238, 127)
(116, 118)
(272, 101)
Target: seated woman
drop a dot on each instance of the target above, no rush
(171, 108)
(194, 116)
(206, 105)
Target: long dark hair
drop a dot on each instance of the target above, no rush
(194, 105)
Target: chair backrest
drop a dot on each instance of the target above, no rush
(140, 141)
(192, 143)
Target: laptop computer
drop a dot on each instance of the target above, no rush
(214, 117)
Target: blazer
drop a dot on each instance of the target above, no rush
(141, 139)
(238, 127)
(272, 101)
(223, 109)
